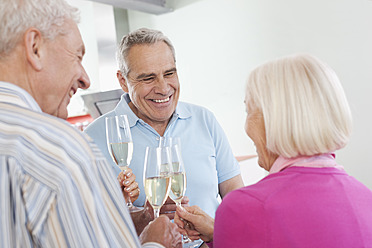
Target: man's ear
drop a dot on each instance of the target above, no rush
(33, 42)
(122, 81)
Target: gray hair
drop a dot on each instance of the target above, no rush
(142, 36)
(16, 16)
(304, 106)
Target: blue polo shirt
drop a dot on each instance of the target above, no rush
(206, 152)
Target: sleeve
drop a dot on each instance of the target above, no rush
(113, 214)
(226, 164)
(8, 205)
(240, 220)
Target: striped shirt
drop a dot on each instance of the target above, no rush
(56, 189)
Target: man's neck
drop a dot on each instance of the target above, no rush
(159, 127)
(13, 69)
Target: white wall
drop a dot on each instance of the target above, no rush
(219, 41)
(97, 27)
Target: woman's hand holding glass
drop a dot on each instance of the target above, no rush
(169, 207)
(199, 224)
(120, 147)
(128, 184)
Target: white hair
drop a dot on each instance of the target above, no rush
(304, 106)
(16, 16)
(142, 36)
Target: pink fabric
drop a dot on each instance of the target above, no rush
(299, 206)
(319, 161)
(210, 244)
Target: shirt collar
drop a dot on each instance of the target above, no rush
(11, 93)
(317, 161)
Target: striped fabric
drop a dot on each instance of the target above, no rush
(56, 189)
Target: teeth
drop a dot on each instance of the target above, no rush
(71, 93)
(161, 101)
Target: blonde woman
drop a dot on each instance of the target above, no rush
(297, 116)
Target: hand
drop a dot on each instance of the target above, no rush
(142, 218)
(128, 184)
(169, 207)
(202, 225)
(162, 231)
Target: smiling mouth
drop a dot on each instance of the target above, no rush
(161, 100)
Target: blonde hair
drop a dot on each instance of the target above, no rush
(304, 106)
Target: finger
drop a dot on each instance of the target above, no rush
(129, 173)
(120, 177)
(182, 231)
(168, 207)
(189, 226)
(185, 200)
(192, 233)
(134, 194)
(193, 238)
(169, 215)
(128, 181)
(163, 218)
(131, 187)
(169, 201)
(183, 213)
(178, 221)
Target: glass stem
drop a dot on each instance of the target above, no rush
(156, 212)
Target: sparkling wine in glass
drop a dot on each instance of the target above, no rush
(156, 176)
(178, 176)
(120, 147)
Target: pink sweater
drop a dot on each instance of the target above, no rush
(297, 207)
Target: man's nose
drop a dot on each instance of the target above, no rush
(84, 82)
(162, 85)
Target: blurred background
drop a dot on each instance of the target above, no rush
(218, 42)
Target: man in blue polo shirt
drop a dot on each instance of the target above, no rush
(148, 75)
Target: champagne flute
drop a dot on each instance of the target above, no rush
(120, 147)
(178, 176)
(156, 176)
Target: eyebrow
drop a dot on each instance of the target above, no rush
(144, 75)
(174, 69)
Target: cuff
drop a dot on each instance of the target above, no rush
(210, 244)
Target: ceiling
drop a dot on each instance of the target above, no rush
(149, 6)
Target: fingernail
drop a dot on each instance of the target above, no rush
(131, 194)
(129, 174)
(126, 182)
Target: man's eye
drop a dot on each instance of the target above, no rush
(148, 79)
(169, 74)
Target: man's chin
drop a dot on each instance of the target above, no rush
(62, 113)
